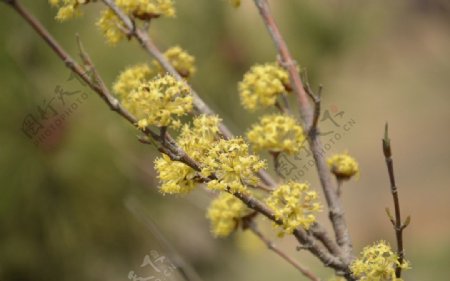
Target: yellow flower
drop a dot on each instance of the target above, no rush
(224, 214)
(157, 102)
(232, 165)
(277, 133)
(343, 166)
(131, 78)
(68, 9)
(294, 204)
(197, 140)
(377, 263)
(111, 27)
(147, 9)
(262, 85)
(175, 177)
(181, 60)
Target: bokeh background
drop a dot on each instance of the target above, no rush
(84, 205)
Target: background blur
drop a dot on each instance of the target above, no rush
(65, 204)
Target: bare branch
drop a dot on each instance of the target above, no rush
(399, 226)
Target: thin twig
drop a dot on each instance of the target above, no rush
(336, 212)
(271, 246)
(317, 107)
(399, 226)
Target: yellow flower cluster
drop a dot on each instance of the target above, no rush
(175, 177)
(224, 214)
(343, 166)
(147, 9)
(262, 85)
(158, 101)
(195, 140)
(198, 139)
(182, 61)
(131, 78)
(294, 203)
(377, 263)
(68, 9)
(277, 133)
(232, 164)
(112, 26)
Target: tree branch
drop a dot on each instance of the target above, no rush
(399, 226)
(336, 212)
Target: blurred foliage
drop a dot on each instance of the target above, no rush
(62, 210)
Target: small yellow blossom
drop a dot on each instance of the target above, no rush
(377, 263)
(157, 102)
(175, 177)
(182, 61)
(68, 9)
(224, 214)
(147, 9)
(111, 27)
(131, 78)
(343, 166)
(294, 204)
(197, 140)
(277, 133)
(262, 85)
(232, 165)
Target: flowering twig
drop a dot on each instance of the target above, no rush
(145, 41)
(336, 212)
(271, 246)
(399, 226)
(168, 146)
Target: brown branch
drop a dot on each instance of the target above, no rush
(168, 146)
(399, 226)
(336, 212)
(271, 246)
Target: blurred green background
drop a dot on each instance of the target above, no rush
(63, 205)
